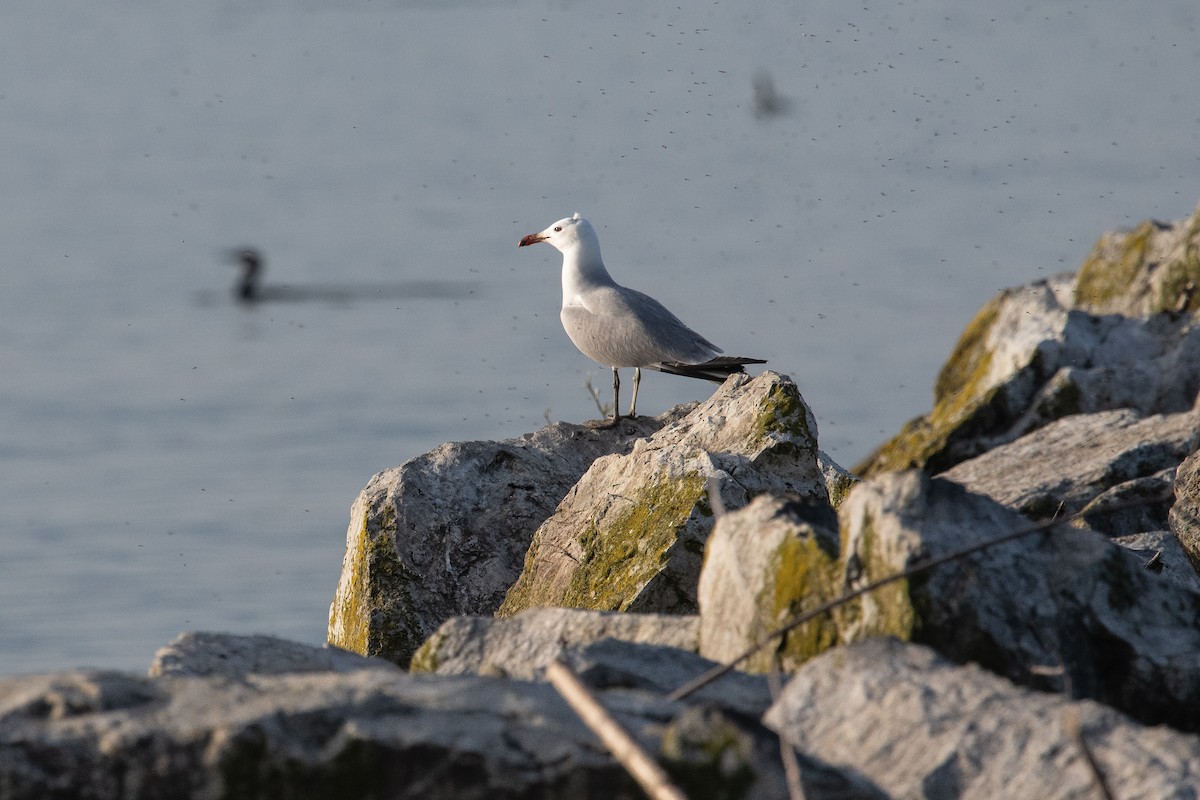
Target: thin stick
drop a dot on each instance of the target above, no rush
(787, 753)
(1075, 731)
(636, 761)
(595, 396)
(916, 569)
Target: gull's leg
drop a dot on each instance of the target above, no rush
(637, 378)
(616, 397)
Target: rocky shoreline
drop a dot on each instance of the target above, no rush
(1053, 651)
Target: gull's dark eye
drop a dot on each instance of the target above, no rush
(558, 227)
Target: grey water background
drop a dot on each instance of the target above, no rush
(170, 460)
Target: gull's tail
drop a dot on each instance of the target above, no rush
(717, 369)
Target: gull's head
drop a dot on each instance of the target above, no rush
(565, 235)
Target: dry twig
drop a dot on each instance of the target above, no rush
(636, 761)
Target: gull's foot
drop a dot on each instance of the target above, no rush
(609, 422)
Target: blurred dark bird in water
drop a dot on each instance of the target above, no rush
(250, 260)
(250, 290)
(768, 102)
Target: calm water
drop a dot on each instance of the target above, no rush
(170, 460)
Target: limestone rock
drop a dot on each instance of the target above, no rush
(655, 652)
(1064, 467)
(917, 725)
(1150, 269)
(521, 647)
(764, 564)
(1124, 635)
(629, 536)
(1184, 516)
(361, 733)
(357, 735)
(838, 480)
(1162, 554)
(1063, 346)
(236, 656)
(445, 534)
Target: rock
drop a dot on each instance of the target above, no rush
(1184, 517)
(917, 725)
(1148, 270)
(1125, 635)
(1162, 554)
(629, 536)
(1061, 346)
(521, 647)
(201, 732)
(236, 656)
(1063, 467)
(445, 534)
(708, 755)
(764, 564)
(655, 652)
(357, 735)
(838, 480)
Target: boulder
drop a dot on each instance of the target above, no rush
(630, 535)
(212, 725)
(521, 646)
(655, 652)
(1123, 634)
(917, 725)
(764, 564)
(1162, 554)
(200, 654)
(1088, 461)
(445, 534)
(1121, 333)
(1184, 517)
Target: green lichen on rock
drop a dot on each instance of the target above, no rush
(708, 756)
(621, 551)
(960, 393)
(804, 575)
(623, 554)
(889, 610)
(525, 592)
(1177, 288)
(426, 660)
(1060, 399)
(782, 411)
(371, 617)
(1152, 269)
(838, 486)
(1113, 267)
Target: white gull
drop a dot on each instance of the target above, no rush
(620, 327)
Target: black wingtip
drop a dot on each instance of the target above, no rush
(716, 369)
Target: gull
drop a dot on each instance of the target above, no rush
(620, 327)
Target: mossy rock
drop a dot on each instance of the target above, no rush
(621, 554)
(963, 403)
(1152, 269)
(370, 619)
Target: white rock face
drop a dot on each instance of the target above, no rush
(917, 725)
(1064, 466)
(1120, 631)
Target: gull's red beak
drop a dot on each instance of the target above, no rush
(532, 238)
